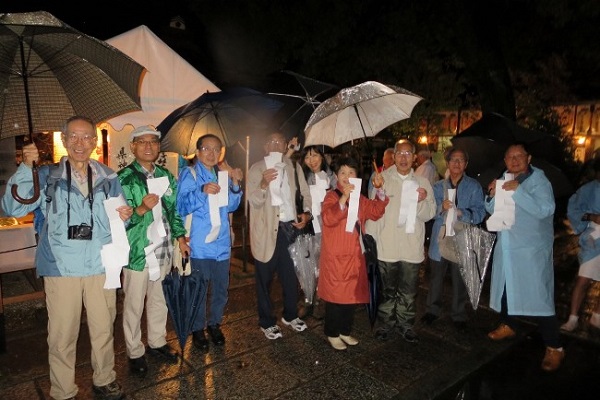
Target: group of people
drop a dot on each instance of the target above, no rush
(77, 225)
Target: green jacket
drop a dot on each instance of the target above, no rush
(134, 185)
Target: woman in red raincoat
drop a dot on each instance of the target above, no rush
(343, 280)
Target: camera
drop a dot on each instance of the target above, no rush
(80, 232)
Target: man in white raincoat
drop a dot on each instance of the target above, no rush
(522, 271)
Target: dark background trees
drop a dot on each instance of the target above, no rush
(507, 56)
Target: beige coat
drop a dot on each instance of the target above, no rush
(264, 218)
(393, 243)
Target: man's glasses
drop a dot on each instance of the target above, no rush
(277, 141)
(404, 153)
(73, 138)
(145, 143)
(206, 150)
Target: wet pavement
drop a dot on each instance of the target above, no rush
(445, 364)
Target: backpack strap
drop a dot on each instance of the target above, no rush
(54, 176)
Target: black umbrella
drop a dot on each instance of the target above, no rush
(373, 274)
(486, 142)
(50, 71)
(182, 294)
(300, 95)
(231, 114)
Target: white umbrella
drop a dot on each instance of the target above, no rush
(358, 112)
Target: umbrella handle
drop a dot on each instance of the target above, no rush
(36, 188)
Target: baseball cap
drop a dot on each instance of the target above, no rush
(144, 130)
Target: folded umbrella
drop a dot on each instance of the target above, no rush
(182, 295)
(305, 253)
(474, 247)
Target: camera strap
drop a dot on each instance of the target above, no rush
(90, 193)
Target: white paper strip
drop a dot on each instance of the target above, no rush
(353, 204)
(273, 160)
(407, 214)
(115, 255)
(504, 207)
(451, 214)
(156, 230)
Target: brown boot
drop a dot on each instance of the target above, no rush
(502, 332)
(553, 359)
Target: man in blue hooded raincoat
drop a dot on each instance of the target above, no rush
(523, 264)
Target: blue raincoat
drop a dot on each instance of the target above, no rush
(191, 199)
(523, 256)
(585, 200)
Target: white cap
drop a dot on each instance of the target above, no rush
(144, 130)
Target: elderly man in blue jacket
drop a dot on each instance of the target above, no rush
(75, 228)
(210, 245)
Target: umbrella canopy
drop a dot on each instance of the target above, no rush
(358, 112)
(300, 100)
(231, 114)
(486, 142)
(561, 184)
(182, 295)
(49, 71)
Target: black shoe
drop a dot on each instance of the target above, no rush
(216, 335)
(461, 326)
(382, 333)
(199, 340)
(166, 353)
(112, 391)
(429, 318)
(408, 334)
(138, 365)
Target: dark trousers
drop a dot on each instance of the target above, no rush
(547, 326)
(339, 319)
(282, 264)
(437, 270)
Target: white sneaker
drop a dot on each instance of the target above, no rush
(296, 324)
(272, 332)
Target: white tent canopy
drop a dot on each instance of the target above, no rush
(170, 82)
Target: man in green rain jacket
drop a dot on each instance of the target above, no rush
(149, 261)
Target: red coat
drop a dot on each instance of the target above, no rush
(342, 269)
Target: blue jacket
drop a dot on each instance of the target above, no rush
(191, 199)
(470, 202)
(56, 254)
(523, 255)
(585, 200)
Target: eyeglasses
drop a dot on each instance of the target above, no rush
(73, 138)
(145, 143)
(457, 160)
(403, 153)
(276, 141)
(216, 150)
